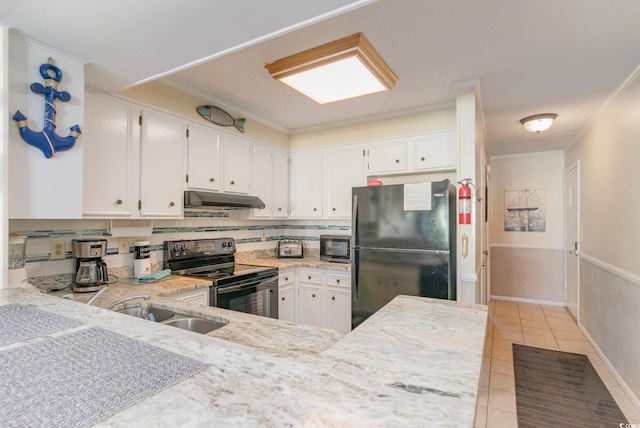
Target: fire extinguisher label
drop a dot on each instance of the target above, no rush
(465, 206)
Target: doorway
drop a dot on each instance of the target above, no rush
(571, 242)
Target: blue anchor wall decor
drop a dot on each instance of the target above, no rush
(47, 140)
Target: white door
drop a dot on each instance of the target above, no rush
(571, 244)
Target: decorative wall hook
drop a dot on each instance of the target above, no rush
(47, 140)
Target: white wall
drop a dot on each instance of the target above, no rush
(183, 104)
(527, 265)
(377, 129)
(4, 144)
(609, 154)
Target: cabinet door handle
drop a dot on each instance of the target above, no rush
(279, 209)
(309, 277)
(119, 202)
(315, 209)
(397, 160)
(422, 158)
(333, 209)
(171, 204)
(286, 278)
(211, 180)
(313, 295)
(333, 297)
(233, 182)
(337, 281)
(283, 299)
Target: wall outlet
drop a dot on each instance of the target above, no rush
(58, 249)
(123, 245)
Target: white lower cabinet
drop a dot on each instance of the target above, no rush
(338, 303)
(310, 288)
(287, 304)
(287, 296)
(324, 299)
(199, 297)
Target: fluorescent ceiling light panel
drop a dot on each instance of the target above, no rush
(343, 69)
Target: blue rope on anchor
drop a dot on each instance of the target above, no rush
(47, 140)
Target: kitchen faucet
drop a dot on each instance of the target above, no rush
(98, 294)
(126, 299)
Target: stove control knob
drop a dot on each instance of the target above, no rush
(175, 248)
(224, 244)
(183, 247)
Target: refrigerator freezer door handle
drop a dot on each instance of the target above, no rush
(354, 257)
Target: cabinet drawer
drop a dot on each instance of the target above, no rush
(285, 278)
(339, 280)
(308, 276)
(200, 297)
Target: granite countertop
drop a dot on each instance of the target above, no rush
(416, 362)
(268, 258)
(280, 337)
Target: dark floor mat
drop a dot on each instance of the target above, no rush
(561, 389)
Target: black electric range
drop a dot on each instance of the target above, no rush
(245, 288)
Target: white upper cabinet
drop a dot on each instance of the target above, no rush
(162, 138)
(204, 158)
(307, 184)
(111, 145)
(263, 171)
(387, 156)
(237, 165)
(271, 181)
(345, 169)
(280, 184)
(434, 151)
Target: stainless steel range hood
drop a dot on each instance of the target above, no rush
(200, 200)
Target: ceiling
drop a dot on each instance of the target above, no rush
(546, 56)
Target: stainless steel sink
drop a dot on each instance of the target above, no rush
(197, 325)
(158, 314)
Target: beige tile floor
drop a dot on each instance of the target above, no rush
(548, 327)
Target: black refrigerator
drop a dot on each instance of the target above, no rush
(403, 242)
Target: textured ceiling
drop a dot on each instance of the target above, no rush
(563, 57)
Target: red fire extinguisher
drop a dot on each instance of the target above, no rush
(464, 199)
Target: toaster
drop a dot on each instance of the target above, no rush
(290, 248)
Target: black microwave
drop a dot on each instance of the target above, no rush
(335, 248)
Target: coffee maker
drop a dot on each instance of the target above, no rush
(90, 272)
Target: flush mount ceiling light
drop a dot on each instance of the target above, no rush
(538, 122)
(339, 70)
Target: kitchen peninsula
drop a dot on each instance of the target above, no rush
(416, 362)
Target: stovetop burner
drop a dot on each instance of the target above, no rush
(208, 275)
(212, 259)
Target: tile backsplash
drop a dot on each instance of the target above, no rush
(250, 235)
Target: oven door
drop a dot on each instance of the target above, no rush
(257, 296)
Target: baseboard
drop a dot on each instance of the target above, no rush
(605, 360)
(523, 300)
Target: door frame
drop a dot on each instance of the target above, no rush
(575, 166)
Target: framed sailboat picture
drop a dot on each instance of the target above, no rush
(525, 210)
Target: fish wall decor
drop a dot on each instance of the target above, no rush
(220, 117)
